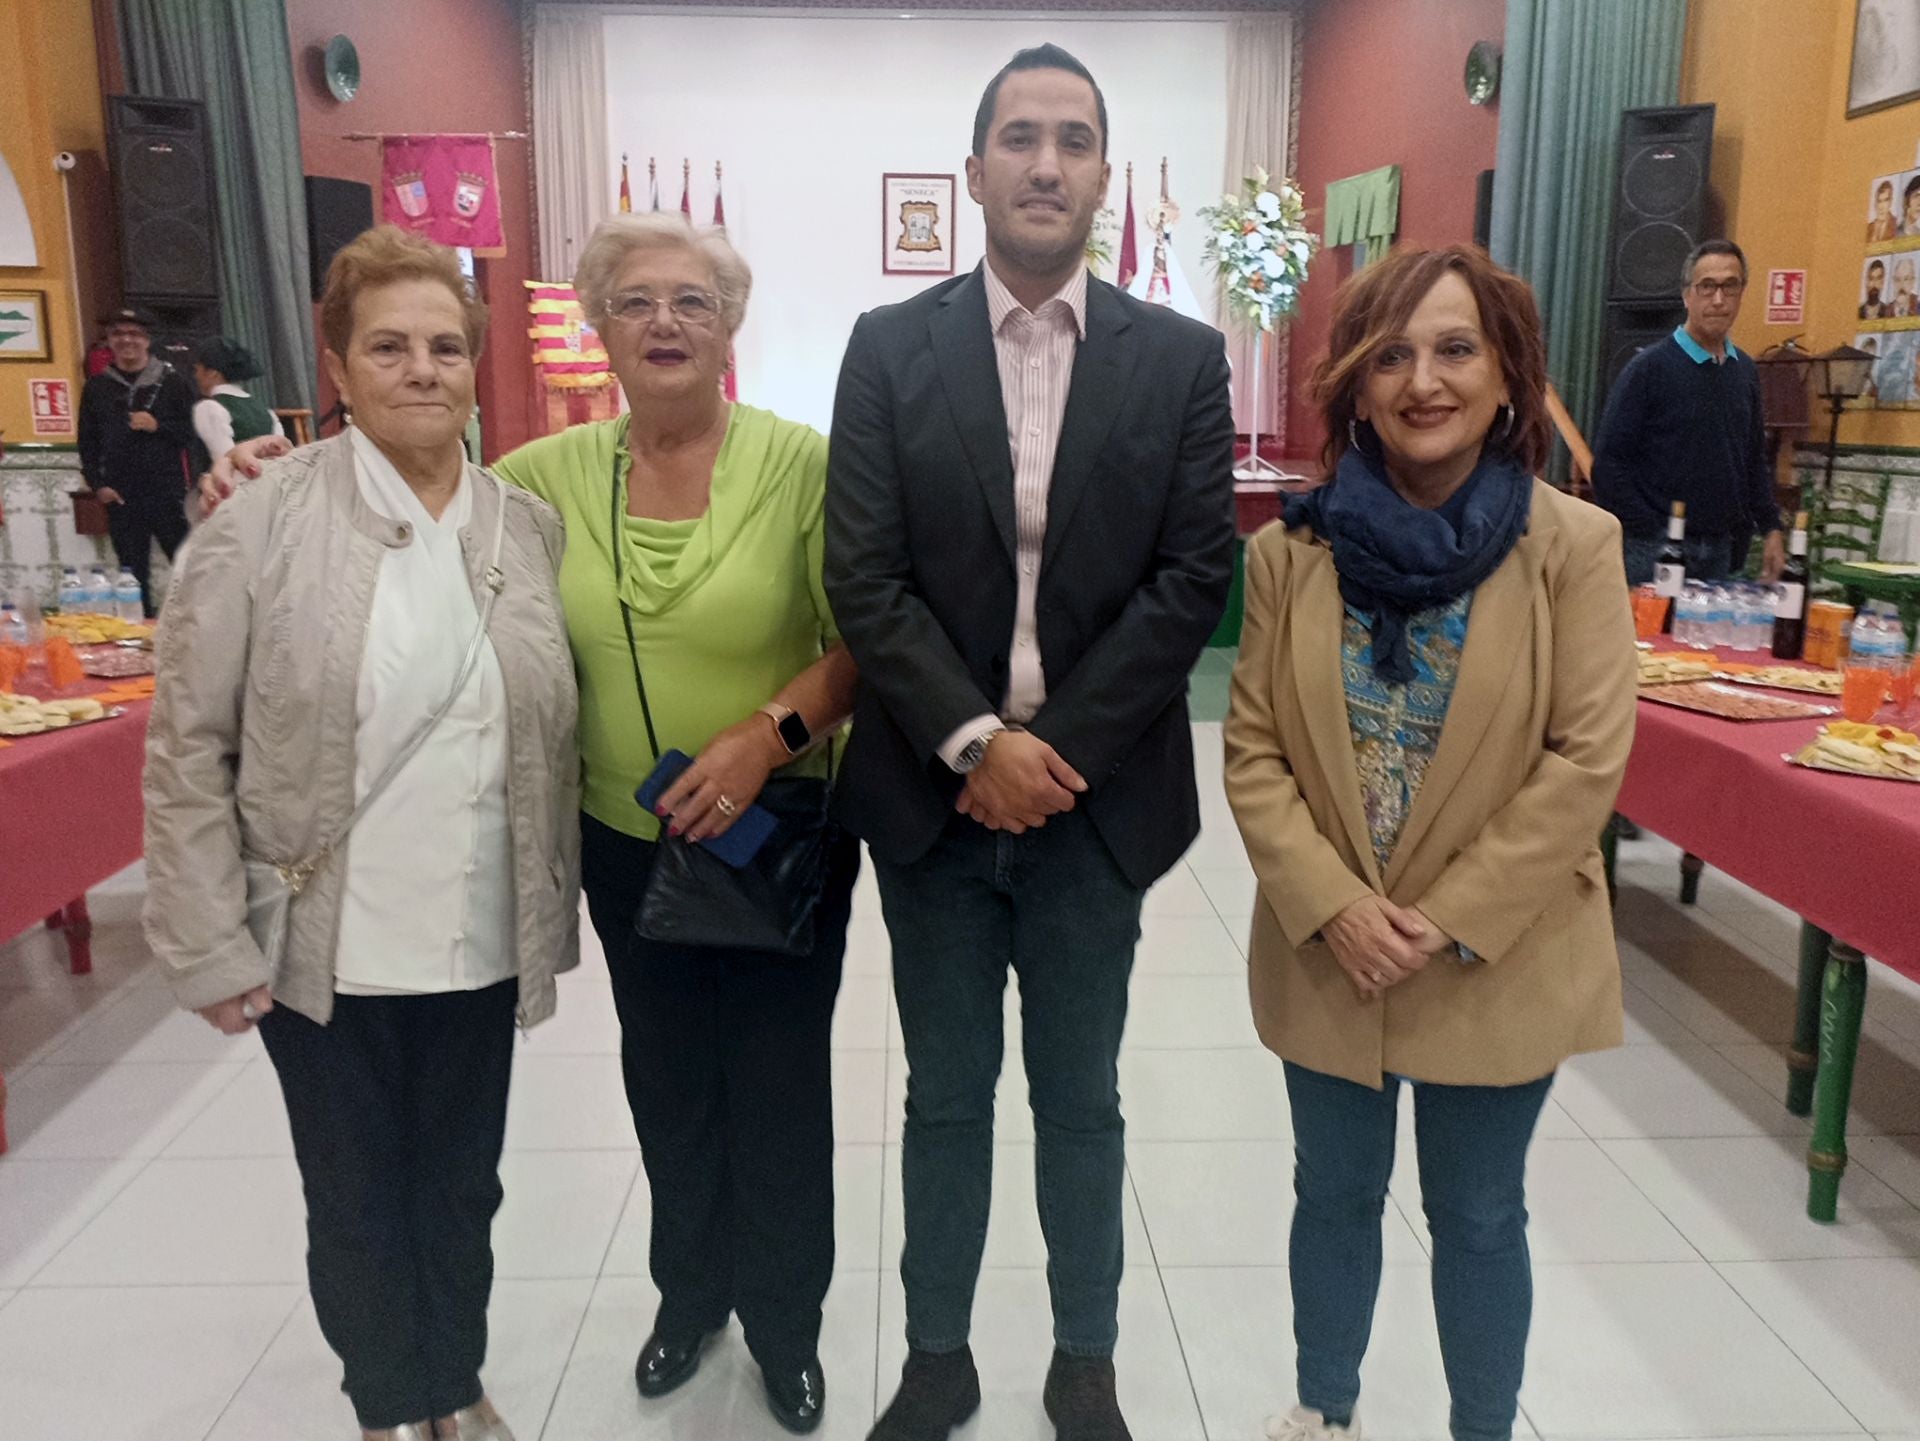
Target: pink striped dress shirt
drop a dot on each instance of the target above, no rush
(1035, 351)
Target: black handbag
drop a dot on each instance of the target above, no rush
(693, 898)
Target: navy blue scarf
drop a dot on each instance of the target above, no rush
(1395, 559)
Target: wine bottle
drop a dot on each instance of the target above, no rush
(1670, 570)
(1790, 603)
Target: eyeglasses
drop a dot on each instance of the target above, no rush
(689, 307)
(1710, 288)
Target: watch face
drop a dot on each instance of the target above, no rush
(971, 757)
(794, 734)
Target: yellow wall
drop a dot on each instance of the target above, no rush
(1792, 171)
(49, 102)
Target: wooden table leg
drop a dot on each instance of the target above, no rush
(1690, 868)
(74, 920)
(1843, 1003)
(1803, 1056)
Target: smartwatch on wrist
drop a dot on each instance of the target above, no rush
(975, 751)
(789, 725)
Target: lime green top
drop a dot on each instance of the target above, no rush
(726, 609)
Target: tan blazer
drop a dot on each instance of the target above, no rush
(1500, 848)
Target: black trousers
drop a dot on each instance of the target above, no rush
(147, 513)
(399, 1108)
(727, 1058)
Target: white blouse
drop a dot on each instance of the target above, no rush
(428, 903)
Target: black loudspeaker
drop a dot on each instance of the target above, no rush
(338, 212)
(1483, 211)
(163, 186)
(1659, 199)
(1630, 330)
(180, 327)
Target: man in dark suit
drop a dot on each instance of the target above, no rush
(1029, 540)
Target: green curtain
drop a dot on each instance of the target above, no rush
(1364, 210)
(235, 55)
(1570, 68)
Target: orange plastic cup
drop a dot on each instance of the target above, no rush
(1649, 612)
(1862, 689)
(1901, 687)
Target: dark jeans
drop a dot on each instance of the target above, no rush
(728, 1064)
(1473, 1156)
(398, 1108)
(147, 513)
(1054, 905)
(1708, 557)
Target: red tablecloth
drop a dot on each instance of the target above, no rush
(70, 814)
(1840, 851)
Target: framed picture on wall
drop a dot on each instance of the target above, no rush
(916, 224)
(1886, 55)
(23, 325)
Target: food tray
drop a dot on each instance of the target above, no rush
(1736, 703)
(115, 662)
(1787, 678)
(111, 713)
(1812, 762)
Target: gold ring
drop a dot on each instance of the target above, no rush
(727, 807)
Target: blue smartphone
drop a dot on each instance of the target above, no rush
(739, 843)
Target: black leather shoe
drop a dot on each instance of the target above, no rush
(667, 1365)
(937, 1393)
(1080, 1399)
(797, 1397)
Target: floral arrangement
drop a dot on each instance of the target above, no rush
(1259, 245)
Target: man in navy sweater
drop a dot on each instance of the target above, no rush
(1683, 423)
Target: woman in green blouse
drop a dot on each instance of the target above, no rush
(692, 569)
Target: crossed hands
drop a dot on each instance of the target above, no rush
(1019, 783)
(1379, 944)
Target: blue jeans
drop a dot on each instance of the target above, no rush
(1052, 904)
(1473, 1154)
(1708, 557)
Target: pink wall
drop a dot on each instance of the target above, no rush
(435, 66)
(1383, 86)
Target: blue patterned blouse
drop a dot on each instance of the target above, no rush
(1396, 728)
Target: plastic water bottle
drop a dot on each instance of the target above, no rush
(1689, 614)
(1719, 616)
(127, 603)
(1759, 618)
(100, 592)
(73, 592)
(1877, 638)
(13, 627)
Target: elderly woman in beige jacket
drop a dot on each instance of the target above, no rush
(1430, 718)
(371, 637)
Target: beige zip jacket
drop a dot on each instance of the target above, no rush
(250, 750)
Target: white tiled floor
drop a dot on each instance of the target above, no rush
(151, 1257)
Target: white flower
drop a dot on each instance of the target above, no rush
(1268, 204)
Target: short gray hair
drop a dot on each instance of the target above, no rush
(619, 236)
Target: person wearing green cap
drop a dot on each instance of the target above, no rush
(226, 413)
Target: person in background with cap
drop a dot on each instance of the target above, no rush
(136, 432)
(226, 413)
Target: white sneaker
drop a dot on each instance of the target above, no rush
(1300, 1424)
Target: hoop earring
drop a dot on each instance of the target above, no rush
(1353, 432)
(1506, 430)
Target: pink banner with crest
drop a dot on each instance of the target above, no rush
(443, 187)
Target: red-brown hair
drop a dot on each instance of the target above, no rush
(1372, 309)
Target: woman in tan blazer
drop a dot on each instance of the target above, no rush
(1431, 715)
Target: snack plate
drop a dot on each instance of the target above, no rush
(1756, 683)
(1698, 696)
(112, 712)
(1815, 765)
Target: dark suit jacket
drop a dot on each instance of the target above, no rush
(921, 553)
